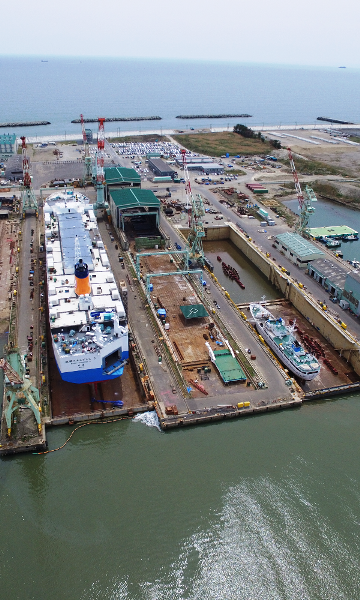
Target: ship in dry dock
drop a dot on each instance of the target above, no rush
(87, 318)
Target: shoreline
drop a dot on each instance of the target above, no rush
(117, 134)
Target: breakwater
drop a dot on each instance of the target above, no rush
(211, 116)
(111, 119)
(334, 121)
(25, 124)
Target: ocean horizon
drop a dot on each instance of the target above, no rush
(59, 89)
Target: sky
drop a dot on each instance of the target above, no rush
(309, 32)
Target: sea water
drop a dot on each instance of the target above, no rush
(62, 88)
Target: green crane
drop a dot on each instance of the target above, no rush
(196, 206)
(305, 206)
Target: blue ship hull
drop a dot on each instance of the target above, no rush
(92, 375)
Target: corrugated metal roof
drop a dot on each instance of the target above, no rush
(115, 175)
(330, 270)
(296, 244)
(133, 198)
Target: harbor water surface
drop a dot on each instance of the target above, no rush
(262, 508)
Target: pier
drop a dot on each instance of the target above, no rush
(114, 119)
(25, 123)
(242, 116)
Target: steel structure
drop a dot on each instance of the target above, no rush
(28, 199)
(100, 159)
(141, 254)
(185, 272)
(302, 223)
(196, 211)
(19, 393)
(87, 167)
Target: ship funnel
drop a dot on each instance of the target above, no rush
(82, 280)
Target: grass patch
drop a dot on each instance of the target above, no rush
(235, 172)
(217, 144)
(354, 138)
(316, 167)
(326, 189)
(133, 139)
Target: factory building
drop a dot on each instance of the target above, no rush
(341, 284)
(8, 144)
(119, 178)
(135, 209)
(192, 159)
(161, 168)
(296, 249)
(329, 274)
(13, 168)
(208, 168)
(351, 291)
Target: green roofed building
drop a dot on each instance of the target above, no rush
(118, 178)
(140, 206)
(335, 231)
(8, 144)
(192, 311)
(297, 249)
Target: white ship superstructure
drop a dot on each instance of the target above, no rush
(282, 341)
(87, 318)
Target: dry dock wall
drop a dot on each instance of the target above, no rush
(329, 328)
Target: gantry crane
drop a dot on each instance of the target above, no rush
(19, 393)
(28, 199)
(196, 210)
(305, 206)
(87, 167)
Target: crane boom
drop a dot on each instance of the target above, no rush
(196, 211)
(296, 179)
(28, 200)
(10, 373)
(305, 207)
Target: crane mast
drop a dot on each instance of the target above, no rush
(100, 159)
(305, 207)
(87, 158)
(196, 211)
(19, 393)
(28, 200)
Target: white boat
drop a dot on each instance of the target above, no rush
(282, 341)
(87, 318)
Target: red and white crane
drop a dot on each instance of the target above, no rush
(28, 197)
(87, 158)
(100, 159)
